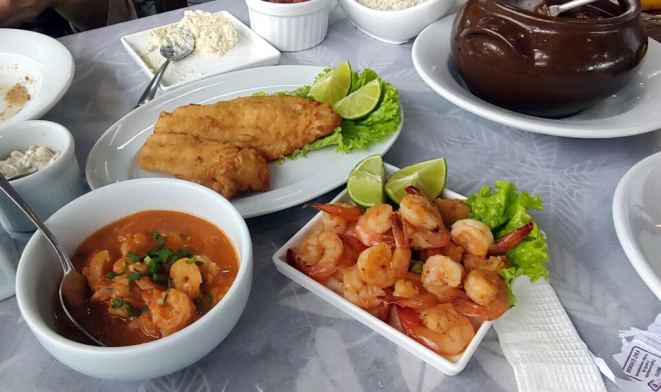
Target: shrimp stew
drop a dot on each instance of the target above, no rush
(150, 275)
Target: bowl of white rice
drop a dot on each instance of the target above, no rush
(394, 21)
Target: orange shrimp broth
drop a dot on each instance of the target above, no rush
(153, 311)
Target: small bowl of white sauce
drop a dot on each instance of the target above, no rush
(41, 153)
(394, 21)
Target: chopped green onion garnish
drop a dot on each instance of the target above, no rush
(167, 292)
(191, 260)
(198, 263)
(128, 308)
(160, 241)
(416, 267)
(113, 274)
(136, 258)
(136, 275)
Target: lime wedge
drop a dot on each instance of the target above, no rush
(428, 176)
(365, 183)
(360, 102)
(333, 86)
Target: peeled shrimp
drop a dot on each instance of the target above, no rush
(424, 223)
(170, 314)
(338, 217)
(372, 226)
(485, 297)
(360, 293)
(381, 267)
(441, 275)
(490, 264)
(472, 235)
(443, 329)
(186, 277)
(409, 292)
(452, 210)
(319, 255)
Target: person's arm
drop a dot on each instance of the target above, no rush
(84, 14)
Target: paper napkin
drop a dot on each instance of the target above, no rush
(542, 345)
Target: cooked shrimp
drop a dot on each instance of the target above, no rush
(452, 210)
(338, 217)
(381, 267)
(320, 254)
(472, 235)
(352, 249)
(360, 293)
(374, 224)
(485, 297)
(381, 311)
(424, 239)
(170, 314)
(443, 329)
(134, 243)
(96, 270)
(410, 292)
(417, 210)
(453, 251)
(210, 271)
(511, 239)
(440, 275)
(186, 277)
(490, 264)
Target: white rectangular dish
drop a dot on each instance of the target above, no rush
(450, 366)
(250, 51)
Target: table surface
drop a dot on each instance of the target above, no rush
(290, 340)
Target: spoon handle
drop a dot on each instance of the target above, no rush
(152, 87)
(9, 190)
(556, 10)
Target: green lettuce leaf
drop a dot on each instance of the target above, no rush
(504, 211)
(357, 134)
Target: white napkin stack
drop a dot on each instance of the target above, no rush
(542, 345)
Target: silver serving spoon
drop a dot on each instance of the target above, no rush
(556, 10)
(178, 44)
(73, 288)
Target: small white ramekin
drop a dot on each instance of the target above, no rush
(47, 190)
(290, 27)
(395, 27)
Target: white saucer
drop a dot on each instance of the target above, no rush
(637, 218)
(41, 64)
(632, 111)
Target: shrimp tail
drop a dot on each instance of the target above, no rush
(296, 262)
(422, 301)
(464, 305)
(350, 213)
(353, 242)
(412, 327)
(411, 190)
(381, 311)
(510, 240)
(401, 238)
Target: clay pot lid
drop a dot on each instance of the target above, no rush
(631, 12)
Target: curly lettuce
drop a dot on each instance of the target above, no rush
(504, 211)
(355, 134)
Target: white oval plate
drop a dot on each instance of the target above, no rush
(450, 366)
(113, 157)
(632, 111)
(637, 219)
(40, 63)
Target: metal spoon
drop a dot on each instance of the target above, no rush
(73, 288)
(178, 44)
(556, 10)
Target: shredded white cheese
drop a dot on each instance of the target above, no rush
(28, 161)
(390, 5)
(213, 33)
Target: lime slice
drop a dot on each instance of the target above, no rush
(428, 176)
(360, 102)
(333, 86)
(365, 183)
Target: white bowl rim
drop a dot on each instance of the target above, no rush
(375, 12)
(245, 266)
(287, 9)
(49, 126)
(621, 219)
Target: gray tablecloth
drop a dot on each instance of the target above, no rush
(290, 340)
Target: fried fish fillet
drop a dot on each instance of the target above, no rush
(274, 126)
(227, 169)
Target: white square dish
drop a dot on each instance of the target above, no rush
(250, 51)
(450, 366)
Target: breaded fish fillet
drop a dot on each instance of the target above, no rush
(226, 169)
(274, 126)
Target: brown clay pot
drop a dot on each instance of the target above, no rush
(546, 66)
